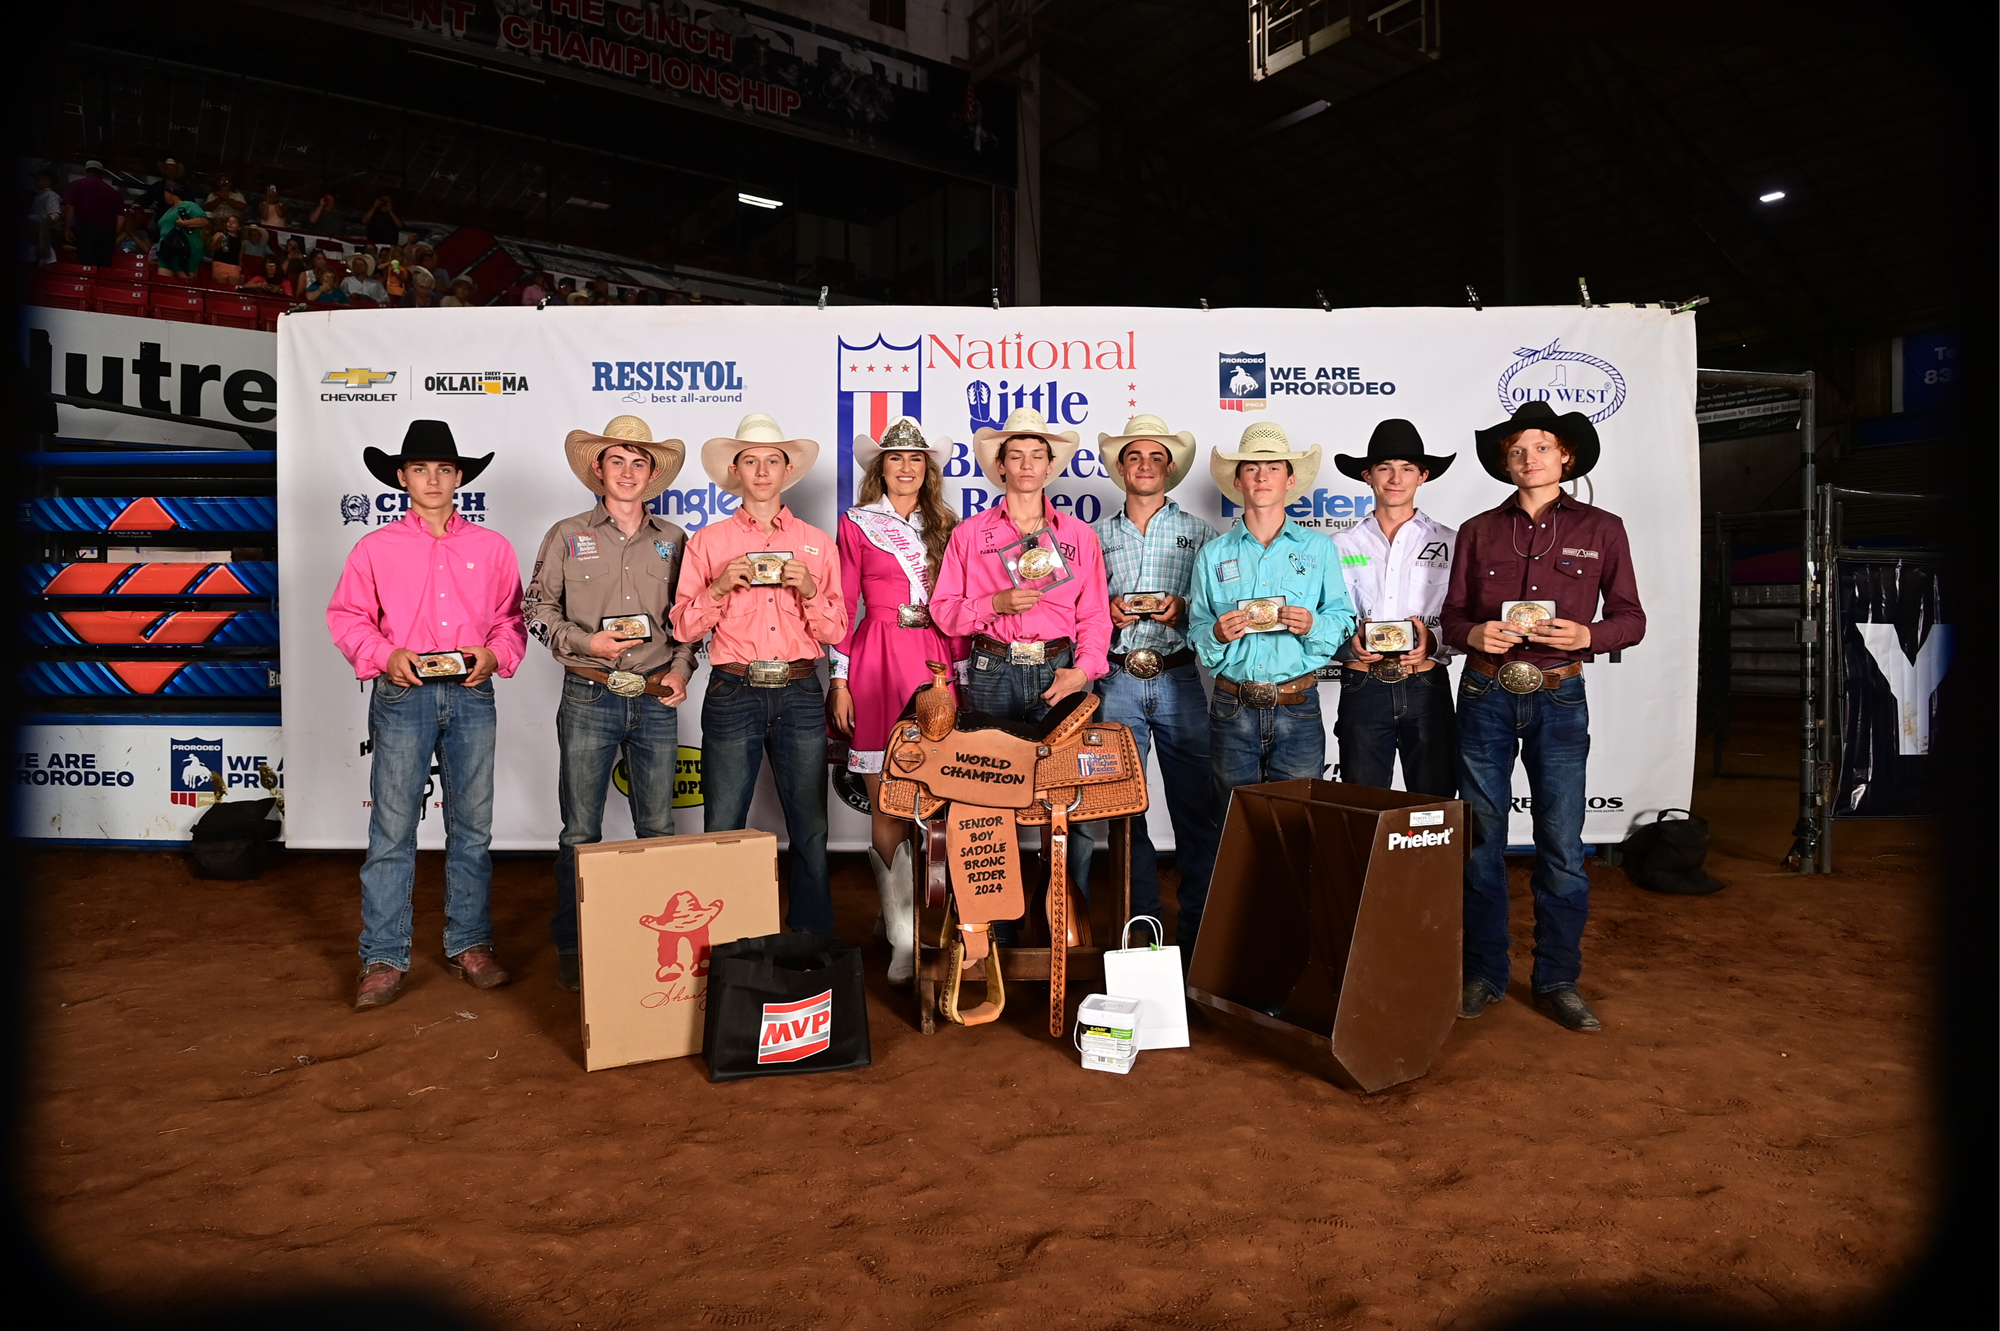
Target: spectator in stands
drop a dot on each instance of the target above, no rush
(565, 288)
(381, 223)
(271, 210)
(294, 249)
(256, 248)
(45, 218)
(361, 280)
(135, 232)
(150, 198)
(532, 293)
(90, 214)
(322, 218)
(578, 298)
(629, 296)
(183, 227)
(328, 292)
(394, 273)
(225, 201)
(463, 288)
(266, 280)
(423, 289)
(225, 252)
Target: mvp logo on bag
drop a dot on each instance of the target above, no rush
(793, 1031)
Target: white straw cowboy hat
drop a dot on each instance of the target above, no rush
(583, 448)
(753, 431)
(987, 442)
(1180, 448)
(1265, 441)
(905, 434)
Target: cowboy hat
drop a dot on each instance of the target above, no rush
(1180, 448)
(424, 441)
(905, 434)
(360, 264)
(987, 442)
(1393, 441)
(753, 431)
(1265, 441)
(171, 169)
(1573, 428)
(583, 448)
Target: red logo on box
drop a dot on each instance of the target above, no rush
(683, 930)
(793, 1031)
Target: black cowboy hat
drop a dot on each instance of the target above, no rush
(1393, 441)
(424, 441)
(1573, 428)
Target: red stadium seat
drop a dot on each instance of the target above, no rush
(268, 310)
(124, 296)
(229, 310)
(127, 268)
(178, 303)
(355, 302)
(60, 292)
(82, 270)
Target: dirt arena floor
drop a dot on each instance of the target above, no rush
(1749, 1135)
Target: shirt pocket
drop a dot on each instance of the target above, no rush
(1575, 583)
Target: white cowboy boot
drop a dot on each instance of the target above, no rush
(899, 899)
(881, 872)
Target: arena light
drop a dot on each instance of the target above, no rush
(758, 201)
(1771, 196)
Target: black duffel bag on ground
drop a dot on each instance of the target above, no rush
(233, 839)
(1666, 856)
(784, 1003)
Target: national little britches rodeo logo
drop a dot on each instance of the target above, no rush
(878, 381)
(1564, 379)
(683, 930)
(796, 1030)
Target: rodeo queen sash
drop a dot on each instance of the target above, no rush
(894, 536)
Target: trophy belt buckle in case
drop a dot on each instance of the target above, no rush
(767, 674)
(913, 617)
(1035, 563)
(440, 665)
(767, 567)
(1145, 603)
(1257, 693)
(1026, 653)
(1142, 664)
(626, 683)
(1520, 677)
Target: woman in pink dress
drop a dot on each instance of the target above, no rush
(890, 544)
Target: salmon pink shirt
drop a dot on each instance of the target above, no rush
(403, 587)
(760, 623)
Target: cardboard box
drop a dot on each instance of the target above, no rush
(648, 912)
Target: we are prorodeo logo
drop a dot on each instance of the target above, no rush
(1243, 380)
(1566, 380)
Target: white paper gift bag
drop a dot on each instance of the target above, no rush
(1152, 975)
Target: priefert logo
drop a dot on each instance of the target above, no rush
(1406, 840)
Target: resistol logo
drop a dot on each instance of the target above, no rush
(466, 383)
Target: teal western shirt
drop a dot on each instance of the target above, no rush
(1300, 565)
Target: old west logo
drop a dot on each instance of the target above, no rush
(358, 377)
(462, 383)
(1566, 380)
(1244, 380)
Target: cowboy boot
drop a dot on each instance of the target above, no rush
(899, 901)
(881, 872)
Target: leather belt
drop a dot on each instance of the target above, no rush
(994, 647)
(1364, 667)
(1255, 693)
(603, 677)
(800, 668)
(1146, 663)
(1514, 674)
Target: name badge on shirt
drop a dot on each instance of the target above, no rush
(1226, 571)
(582, 546)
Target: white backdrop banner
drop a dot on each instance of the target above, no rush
(516, 380)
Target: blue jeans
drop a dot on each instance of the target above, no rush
(593, 725)
(739, 727)
(1015, 692)
(1411, 717)
(1248, 745)
(1169, 712)
(1551, 730)
(407, 729)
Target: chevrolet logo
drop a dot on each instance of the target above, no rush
(358, 378)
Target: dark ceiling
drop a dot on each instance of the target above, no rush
(1643, 136)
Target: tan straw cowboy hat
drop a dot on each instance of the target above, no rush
(987, 442)
(583, 448)
(754, 430)
(905, 434)
(1180, 448)
(1266, 441)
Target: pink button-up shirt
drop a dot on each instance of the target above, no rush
(971, 574)
(403, 587)
(760, 623)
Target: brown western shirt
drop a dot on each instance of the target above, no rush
(1575, 555)
(587, 569)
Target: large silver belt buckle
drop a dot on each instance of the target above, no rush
(1389, 671)
(626, 684)
(1024, 653)
(1142, 664)
(768, 674)
(1520, 677)
(1256, 693)
(913, 617)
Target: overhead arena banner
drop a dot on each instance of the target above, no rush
(516, 380)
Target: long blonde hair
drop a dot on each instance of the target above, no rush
(938, 517)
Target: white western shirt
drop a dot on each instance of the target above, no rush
(1395, 580)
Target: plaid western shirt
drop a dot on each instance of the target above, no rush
(1160, 559)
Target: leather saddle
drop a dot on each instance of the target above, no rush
(971, 781)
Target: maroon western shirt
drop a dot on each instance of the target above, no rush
(1573, 556)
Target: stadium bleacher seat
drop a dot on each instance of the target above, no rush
(227, 309)
(77, 270)
(58, 291)
(181, 304)
(124, 296)
(360, 303)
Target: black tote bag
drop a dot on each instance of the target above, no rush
(784, 1004)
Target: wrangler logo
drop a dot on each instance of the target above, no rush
(793, 1031)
